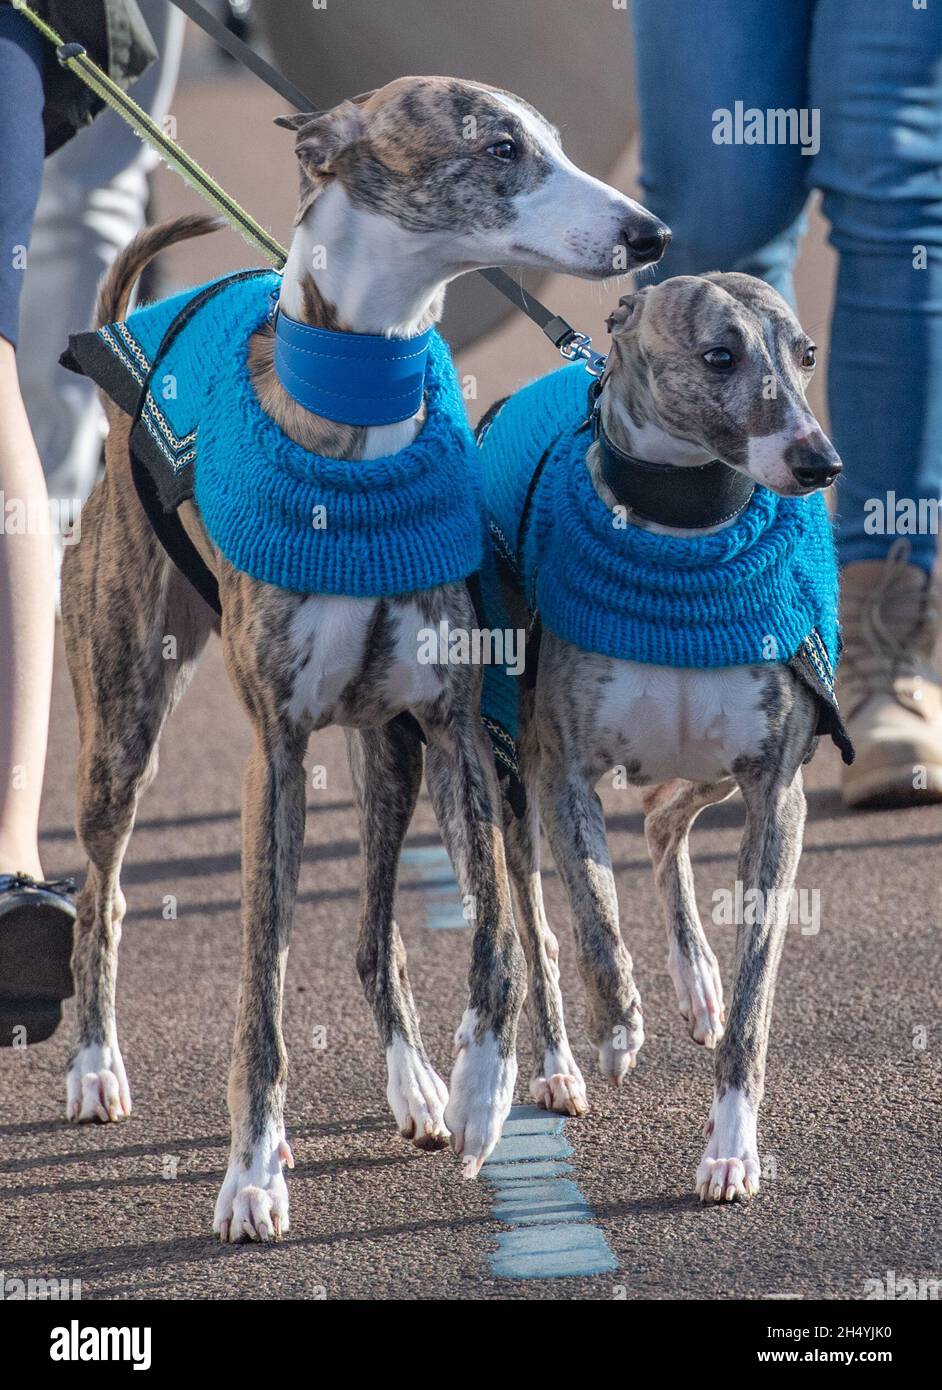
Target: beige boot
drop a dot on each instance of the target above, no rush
(890, 695)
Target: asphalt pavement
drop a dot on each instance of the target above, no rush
(849, 1131)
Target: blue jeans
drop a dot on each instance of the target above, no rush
(873, 68)
(22, 145)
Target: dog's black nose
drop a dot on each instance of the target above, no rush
(648, 243)
(813, 467)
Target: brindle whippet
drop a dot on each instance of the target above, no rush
(404, 189)
(685, 383)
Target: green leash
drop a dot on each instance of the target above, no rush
(74, 57)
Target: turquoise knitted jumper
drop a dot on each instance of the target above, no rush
(751, 592)
(303, 522)
(762, 589)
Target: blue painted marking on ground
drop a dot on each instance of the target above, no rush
(425, 854)
(443, 906)
(443, 913)
(552, 1252)
(519, 1148)
(531, 1119)
(553, 1233)
(521, 1174)
(551, 1230)
(544, 1199)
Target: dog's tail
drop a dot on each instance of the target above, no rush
(115, 289)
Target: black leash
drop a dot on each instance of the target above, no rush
(574, 346)
(238, 49)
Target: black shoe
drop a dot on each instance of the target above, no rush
(36, 920)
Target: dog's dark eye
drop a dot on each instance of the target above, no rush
(504, 149)
(720, 358)
(810, 357)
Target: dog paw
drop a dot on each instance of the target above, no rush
(97, 1085)
(481, 1094)
(618, 1053)
(560, 1086)
(729, 1168)
(417, 1096)
(699, 991)
(253, 1202)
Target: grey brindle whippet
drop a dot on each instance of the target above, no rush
(403, 190)
(684, 384)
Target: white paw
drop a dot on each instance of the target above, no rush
(560, 1086)
(699, 992)
(618, 1054)
(97, 1085)
(253, 1201)
(417, 1096)
(481, 1094)
(729, 1167)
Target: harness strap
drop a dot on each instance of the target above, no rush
(195, 528)
(168, 526)
(170, 531)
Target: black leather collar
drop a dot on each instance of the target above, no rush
(689, 498)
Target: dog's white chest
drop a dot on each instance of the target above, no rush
(670, 722)
(355, 666)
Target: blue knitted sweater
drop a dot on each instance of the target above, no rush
(749, 593)
(386, 526)
(763, 589)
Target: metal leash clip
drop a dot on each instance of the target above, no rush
(67, 51)
(578, 348)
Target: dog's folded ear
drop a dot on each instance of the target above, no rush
(628, 314)
(323, 135)
(296, 121)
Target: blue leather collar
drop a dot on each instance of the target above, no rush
(353, 378)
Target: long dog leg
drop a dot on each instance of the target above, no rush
(575, 825)
(131, 650)
(771, 848)
(463, 786)
(253, 1201)
(387, 773)
(670, 811)
(557, 1082)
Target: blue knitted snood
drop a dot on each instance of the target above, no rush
(750, 593)
(303, 522)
